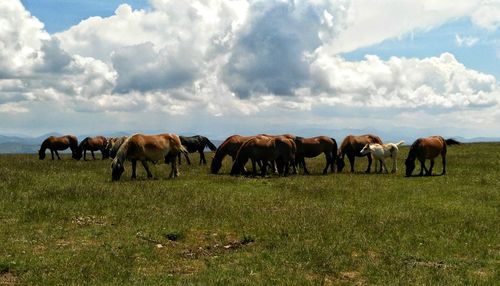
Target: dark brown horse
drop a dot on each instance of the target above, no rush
(229, 147)
(265, 149)
(146, 148)
(427, 148)
(312, 147)
(55, 144)
(352, 146)
(92, 144)
(198, 144)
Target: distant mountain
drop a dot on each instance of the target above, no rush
(25, 144)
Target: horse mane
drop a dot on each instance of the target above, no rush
(121, 154)
(241, 156)
(413, 149)
(452, 141)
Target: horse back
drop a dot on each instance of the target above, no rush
(353, 144)
(429, 147)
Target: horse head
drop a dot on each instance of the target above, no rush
(410, 166)
(366, 149)
(340, 163)
(117, 170)
(77, 153)
(41, 154)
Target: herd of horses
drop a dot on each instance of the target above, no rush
(279, 153)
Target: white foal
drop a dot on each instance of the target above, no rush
(380, 152)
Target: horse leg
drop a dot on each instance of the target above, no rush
(57, 154)
(263, 170)
(202, 158)
(134, 165)
(92, 152)
(394, 163)
(52, 153)
(146, 167)
(174, 170)
(429, 172)
(385, 166)
(187, 158)
(351, 162)
(422, 167)
(85, 154)
(303, 163)
(370, 164)
(444, 165)
(254, 167)
(328, 163)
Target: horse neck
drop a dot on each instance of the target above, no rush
(412, 154)
(220, 153)
(44, 145)
(121, 154)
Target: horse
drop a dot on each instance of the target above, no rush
(144, 148)
(265, 149)
(92, 144)
(230, 147)
(196, 143)
(382, 151)
(114, 144)
(428, 148)
(351, 146)
(314, 146)
(55, 144)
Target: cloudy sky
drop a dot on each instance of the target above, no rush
(219, 67)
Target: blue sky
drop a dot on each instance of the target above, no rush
(220, 67)
(482, 56)
(59, 15)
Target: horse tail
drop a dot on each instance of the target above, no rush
(399, 143)
(452, 142)
(184, 150)
(210, 145)
(335, 154)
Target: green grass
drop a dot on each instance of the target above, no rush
(64, 222)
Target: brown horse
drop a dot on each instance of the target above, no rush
(230, 147)
(55, 144)
(352, 146)
(265, 149)
(427, 148)
(146, 148)
(92, 144)
(312, 147)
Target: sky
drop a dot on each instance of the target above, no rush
(222, 67)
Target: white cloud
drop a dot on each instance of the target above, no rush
(405, 83)
(238, 59)
(487, 15)
(465, 41)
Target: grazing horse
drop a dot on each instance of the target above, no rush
(382, 151)
(196, 143)
(230, 147)
(265, 149)
(351, 146)
(92, 144)
(146, 148)
(427, 148)
(55, 144)
(312, 147)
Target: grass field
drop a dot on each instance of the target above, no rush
(64, 222)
